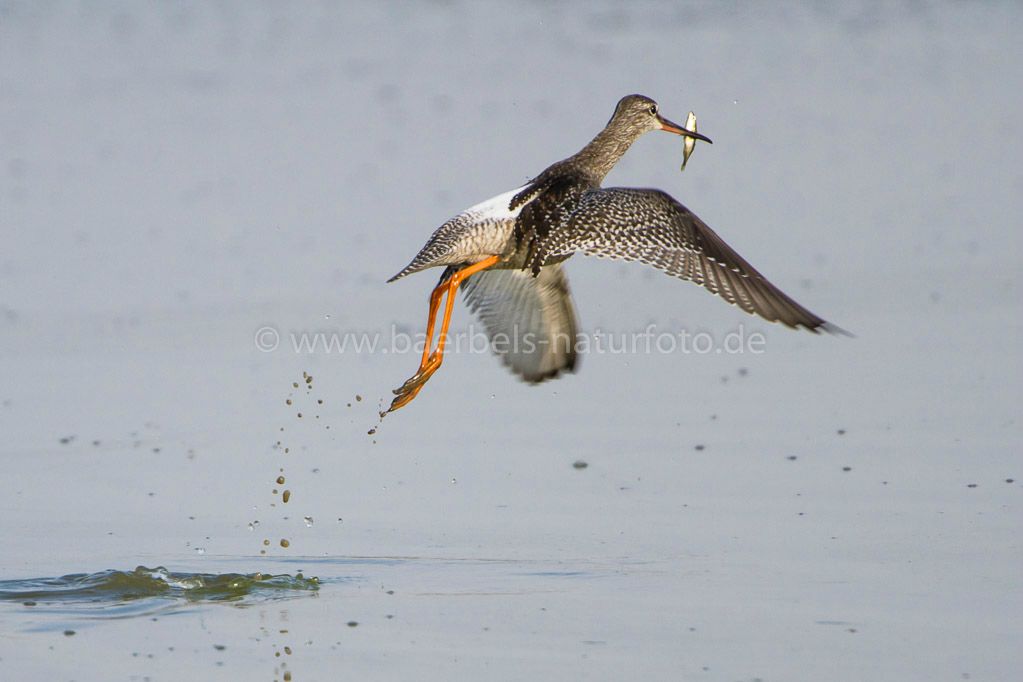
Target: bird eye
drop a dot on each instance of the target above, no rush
(653, 109)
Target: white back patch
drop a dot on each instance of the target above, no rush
(496, 208)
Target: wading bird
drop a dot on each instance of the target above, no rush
(506, 254)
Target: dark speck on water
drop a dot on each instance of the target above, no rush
(219, 647)
(699, 447)
(791, 458)
(841, 432)
(580, 464)
(971, 485)
(371, 432)
(846, 468)
(353, 623)
(358, 398)
(69, 633)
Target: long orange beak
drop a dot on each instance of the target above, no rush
(670, 127)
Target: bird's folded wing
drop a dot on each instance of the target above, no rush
(530, 320)
(651, 227)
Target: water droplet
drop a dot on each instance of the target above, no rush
(340, 520)
(308, 521)
(326, 317)
(200, 550)
(280, 480)
(285, 543)
(286, 496)
(454, 480)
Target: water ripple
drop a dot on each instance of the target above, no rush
(114, 587)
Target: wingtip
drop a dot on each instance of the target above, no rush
(534, 378)
(835, 330)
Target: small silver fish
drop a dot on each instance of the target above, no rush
(688, 143)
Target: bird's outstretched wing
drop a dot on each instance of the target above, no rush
(651, 227)
(530, 320)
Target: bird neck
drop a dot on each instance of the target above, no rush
(603, 152)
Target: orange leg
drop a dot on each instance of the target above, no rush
(435, 299)
(431, 320)
(432, 361)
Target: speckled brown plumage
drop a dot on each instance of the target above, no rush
(516, 241)
(649, 226)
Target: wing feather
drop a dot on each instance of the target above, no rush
(530, 320)
(650, 226)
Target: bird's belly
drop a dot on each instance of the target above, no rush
(496, 238)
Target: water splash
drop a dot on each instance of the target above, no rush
(155, 583)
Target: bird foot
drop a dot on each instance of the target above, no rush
(407, 391)
(403, 399)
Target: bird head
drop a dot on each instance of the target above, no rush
(637, 114)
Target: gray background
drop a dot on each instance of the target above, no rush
(175, 177)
